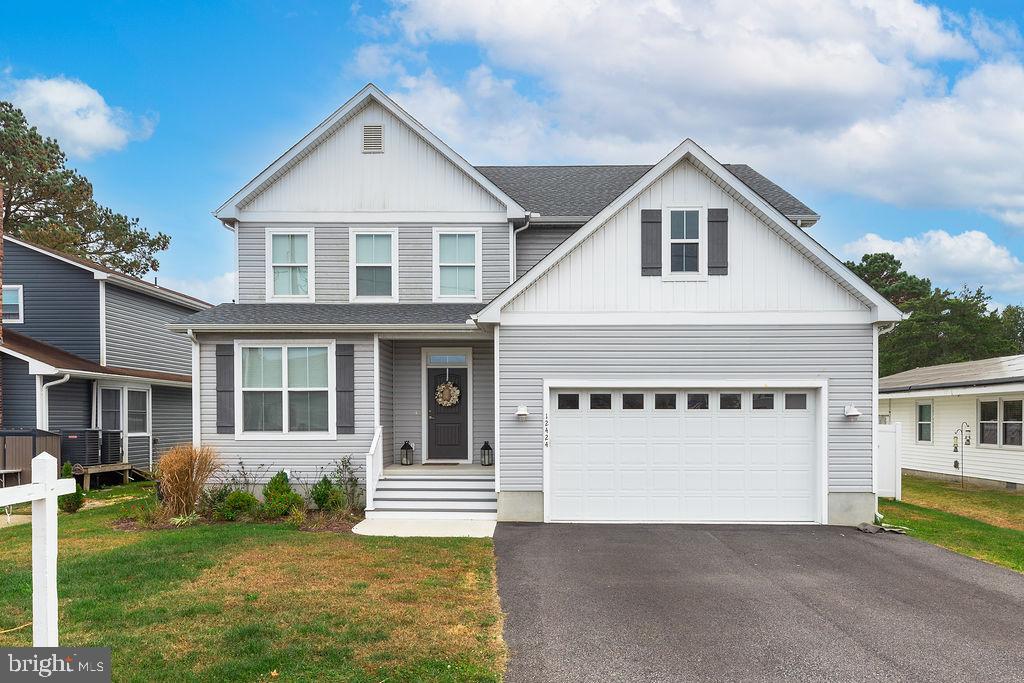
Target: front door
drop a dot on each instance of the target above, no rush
(447, 414)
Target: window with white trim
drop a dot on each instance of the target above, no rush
(457, 264)
(13, 308)
(110, 409)
(988, 423)
(289, 270)
(286, 389)
(924, 422)
(373, 270)
(1012, 431)
(138, 412)
(684, 247)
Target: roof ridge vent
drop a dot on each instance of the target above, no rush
(373, 138)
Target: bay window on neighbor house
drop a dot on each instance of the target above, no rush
(13, 304)
(1001, 422)
(290, 265)
(373, 268)
(457, 265)
(685, 246)
(286, 389)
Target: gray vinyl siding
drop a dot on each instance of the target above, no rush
(331, 258)
(408, 393)
(386, 358)
(70, 404)
(842, 354)
(61, 301)
(137, 334)
(172, 418)
(535, 243)
(305, 460)
(138, 451)
(19, 393)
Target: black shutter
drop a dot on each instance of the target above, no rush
(346, 378)
(718, 241)
(225, 388)
(650, 242)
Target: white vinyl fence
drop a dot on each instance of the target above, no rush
(42, 492)
(889, 461)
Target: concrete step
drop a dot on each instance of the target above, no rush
(435, 504)
(436, 483)
(461, 494)
(428, 514)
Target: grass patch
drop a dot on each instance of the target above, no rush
(227, 602)
(999, 508)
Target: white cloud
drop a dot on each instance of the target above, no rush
(970, 258)
(216, 290)
(848, 95)
(75, 114)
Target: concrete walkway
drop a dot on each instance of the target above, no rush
(435, 528)
(13, 520)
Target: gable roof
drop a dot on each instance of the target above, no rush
(103, 272)
(973, 373)
(228, 211)
(58, 361)
(688, 149)
(575, 193)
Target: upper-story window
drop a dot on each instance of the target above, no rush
(290, 265)
(684, 247)
(457, 264)
(374, 268)
(13, 309)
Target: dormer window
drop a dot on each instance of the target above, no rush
(373, 139)
(290, 265)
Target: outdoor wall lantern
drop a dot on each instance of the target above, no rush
(522, 413)
(487, 455)
(406, 453)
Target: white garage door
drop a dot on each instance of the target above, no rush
(700, 455)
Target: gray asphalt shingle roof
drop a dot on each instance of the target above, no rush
(299, 315)
(585, 190)
(1002, 370)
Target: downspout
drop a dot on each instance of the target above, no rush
(197, 436)
(515, 233)
(45, 397)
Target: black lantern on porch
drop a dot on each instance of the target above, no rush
(406, 453)
(487, 454)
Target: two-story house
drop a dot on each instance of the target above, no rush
(629, 343)
(85, 347)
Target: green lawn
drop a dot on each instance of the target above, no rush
(983, 523)
(239, 601)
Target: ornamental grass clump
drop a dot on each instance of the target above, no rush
(183, 472)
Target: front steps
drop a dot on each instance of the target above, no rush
(435, 497)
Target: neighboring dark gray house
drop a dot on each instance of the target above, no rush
(85, 347)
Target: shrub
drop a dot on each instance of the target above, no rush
(237, 504)
(278, 497)
(183, 472)
(327, 496)
(71, 502)
(348, 485)
(147, 513)
(211, 499)
(297, 517)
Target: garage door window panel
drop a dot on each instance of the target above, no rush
(632, 401)
(697, 402)
(664, 401)
(568, 401)
(730, 401)
(763, 401)
(600, 401)
(796, 401)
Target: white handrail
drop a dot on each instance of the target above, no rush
(374, 465)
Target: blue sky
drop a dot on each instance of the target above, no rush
(899, 122)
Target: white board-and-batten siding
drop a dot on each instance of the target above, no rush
(999, 463)
(306, 460)
(766, 273)
(331, 253)
(696, 356)
(409, 176)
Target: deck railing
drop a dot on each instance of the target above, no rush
(374, 465)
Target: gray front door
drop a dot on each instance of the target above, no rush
(447, 426)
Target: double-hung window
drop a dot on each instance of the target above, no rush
(457, 271)
(924, 422)
(290, 265)
(287, 389)
(373, 266)
(13, 304)
(138, 412)
(684, 249)
(988, 423)
(1001, 422)
(1013, 422)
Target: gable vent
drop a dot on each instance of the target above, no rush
(373, 139)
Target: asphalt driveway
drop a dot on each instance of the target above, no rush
(668, 602)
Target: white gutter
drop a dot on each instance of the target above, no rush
(43, 401)
(325, 327)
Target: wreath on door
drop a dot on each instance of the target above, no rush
(447, 394)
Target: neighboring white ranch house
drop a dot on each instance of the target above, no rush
(657, 343)
(933, 403)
